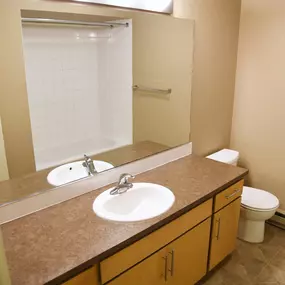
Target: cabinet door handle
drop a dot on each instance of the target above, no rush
(218, 221)
(233, 194)
(171, 270)
(165, 267)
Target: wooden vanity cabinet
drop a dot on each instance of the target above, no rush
(182, 262)
(149, 271)
(228, 195)
(224, 232)
(125, 259)
(177, 253)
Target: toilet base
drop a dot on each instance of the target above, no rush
(252, 224)
(251, 231)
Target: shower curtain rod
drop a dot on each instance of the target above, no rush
(67, 22)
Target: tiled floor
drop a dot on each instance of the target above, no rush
(254, 264)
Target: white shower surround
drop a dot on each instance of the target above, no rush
(79, 83)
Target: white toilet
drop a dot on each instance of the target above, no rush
(257, 205)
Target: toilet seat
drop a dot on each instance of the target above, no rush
(258, 200)
(258, 210)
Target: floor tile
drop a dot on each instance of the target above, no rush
(254, 264)
(266, 276)
(279, 259)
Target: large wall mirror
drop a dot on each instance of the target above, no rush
(95, 91)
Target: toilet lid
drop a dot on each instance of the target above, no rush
(225, 155)
(258, 199)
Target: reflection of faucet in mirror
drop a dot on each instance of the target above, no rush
(123, 184)
(89, 165)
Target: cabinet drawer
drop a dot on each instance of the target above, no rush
(228, 195)
(124, 259)
(88, 277)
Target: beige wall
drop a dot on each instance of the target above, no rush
(3, 163)
(4, 273)
(163, 58)
(216, 41)
(259, 110)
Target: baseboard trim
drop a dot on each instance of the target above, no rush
(278, 220)
(279, 214)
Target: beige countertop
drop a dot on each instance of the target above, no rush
(56, 243)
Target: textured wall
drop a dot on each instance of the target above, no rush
(163, 58)
(258, 122)
(215, 54)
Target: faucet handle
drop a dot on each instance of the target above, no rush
(124, 178)
(87, 158)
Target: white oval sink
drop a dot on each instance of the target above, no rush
(143, 201)
(74, 171)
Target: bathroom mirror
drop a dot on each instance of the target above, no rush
(90, 93)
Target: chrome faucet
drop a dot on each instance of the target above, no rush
(123, 184)
(89, 165)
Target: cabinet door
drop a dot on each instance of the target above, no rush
(140, 250)
(88, 277)
(188, 255)
(224, 232)
(151, 271)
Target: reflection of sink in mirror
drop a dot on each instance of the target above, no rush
(74, 171)
(143, 201)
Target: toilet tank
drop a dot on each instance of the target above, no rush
(226, 156)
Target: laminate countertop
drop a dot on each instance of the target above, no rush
(57, 243)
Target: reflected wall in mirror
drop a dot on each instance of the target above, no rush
(100, 91)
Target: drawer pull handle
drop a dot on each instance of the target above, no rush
(165, 267)
(172, 262)
(233, 194)
(218, 221)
